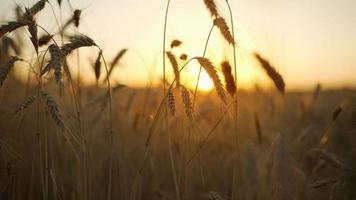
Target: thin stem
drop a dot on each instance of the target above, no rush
(111, 142)
(236, 149)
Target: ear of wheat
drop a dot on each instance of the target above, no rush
(174, 63)
(28, 101)
(97, 66)
(11, 26)
(224, 29)
(53, 109)
(336, 113)
(210, 69)
(210, 4)
(183, 56)
(54, 63)
(188, 106)
(76, 17)
(118, 57)
(32, 29)
(272, 73)
(115, 61)
(37, 7)
(76, 42)
(171, 102)
(230, 84)
(175, 43)
(5, 69)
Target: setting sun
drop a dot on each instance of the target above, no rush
(205, 83)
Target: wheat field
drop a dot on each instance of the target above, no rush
(63, 139)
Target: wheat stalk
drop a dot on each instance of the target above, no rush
(53, 109)
(55, 62)
(37, 7)
(272, 73)
(210, 69)
(230, 84)
(76, 42)
(210, 4)
(11, 26)
(224, 29)
(171, 102)
(175, 43)
(32, 28)
(115, 61)
(5, 69)
(174, 63)
(187, 102)
(183, 56)
(97, 66)
(76, 17)
(28, 101)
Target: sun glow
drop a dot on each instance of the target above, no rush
(205, 83)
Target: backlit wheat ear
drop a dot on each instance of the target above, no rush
(174, 63)
(11, 26)
(32, 28)
(5, 69)
(272, 73)
(28, 101)
(37, 7)
(54, 63)
(175, 43)
(76, 17)
(118, 57)
(224, 29)
(188, 106)
(171, 102)
(230, 84)
(183, 56)
(210, 69)
(44, 40)
(76, 42)
(210, 4)
(115, 61)
(53, 109)
(97, 66)
(336, 113)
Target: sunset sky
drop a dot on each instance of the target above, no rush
(308, 41)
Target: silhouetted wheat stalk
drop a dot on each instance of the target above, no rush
(230, 84)
(174, 63)
(272, 73)
(5, 69)
(28, 101)
(115, 61)
(175, 43)
(53, 109)
(97, 66)
(210, 4)
(171, 102)
(76, 42)
(210, 69)
(187, 102)
(224, 29)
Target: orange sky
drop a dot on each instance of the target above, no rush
(308, 41)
